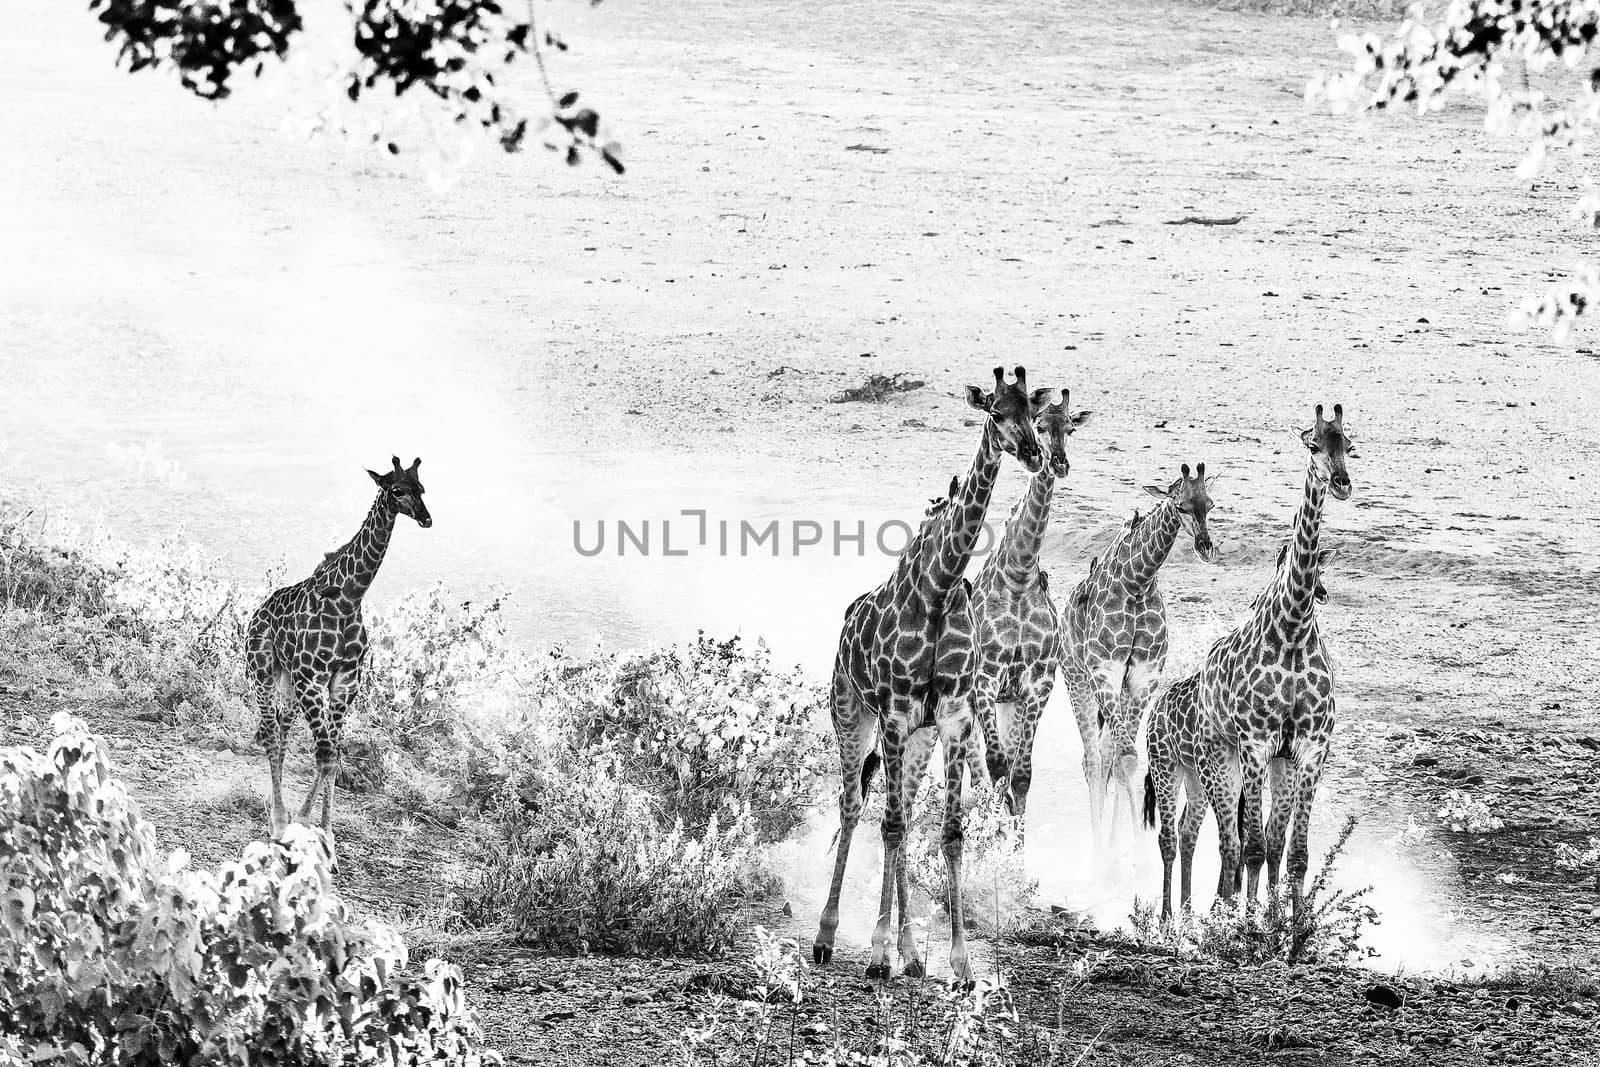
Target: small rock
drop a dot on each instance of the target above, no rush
(788, 909)
(1384, 996)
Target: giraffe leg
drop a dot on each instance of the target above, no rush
(272, 731)
(1194, 813)
(312, 693)
(1223, 780)
(1024, 725)
(919, 749)
(986, 697)
(894, 731)
(1255, 849)
(1307, 775)
(854, 726)
(1119, 761)
(955, 729)
(1164, 781)
(1086, 711)
(341, 688)
(1282, 779)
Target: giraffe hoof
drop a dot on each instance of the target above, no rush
(821, 954)
(878, 972)
(915, 969)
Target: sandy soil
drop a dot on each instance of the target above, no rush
(834, 189)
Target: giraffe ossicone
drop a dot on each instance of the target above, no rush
(306, 642)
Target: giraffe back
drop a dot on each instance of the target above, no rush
(1106, 623)
(895, 644)
(1260, 685)
(304, 627)
(1018, 631)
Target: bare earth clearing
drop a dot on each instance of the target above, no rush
(838, 189)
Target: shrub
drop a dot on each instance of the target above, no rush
(157, 625)
(1331, 929)
(115, 955)
(710, 729)
(586, 864)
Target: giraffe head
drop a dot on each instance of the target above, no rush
(1191, 496)
(1319, 592)
(404, 490)
(1011, 410)
(1055, 424)
(1330, 447)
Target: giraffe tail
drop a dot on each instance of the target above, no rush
(869, 767)
(1149, 800)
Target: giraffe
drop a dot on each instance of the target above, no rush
(1266, 691)
(306, 641)
(1018, 628)
(1181, 754)
(904, 666)
(1114, 636)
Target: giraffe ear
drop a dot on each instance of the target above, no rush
(979, 399)
(1156, 491)
(1325, 555)
(1309, 438)
(1040, 399)
(1081, 419)
(379, 478)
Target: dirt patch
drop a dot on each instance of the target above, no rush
(878, 388)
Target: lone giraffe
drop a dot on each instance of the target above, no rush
(1114, 637)
(1266, 691)
(904, 665)
(1180, 753)
(306, 642)
(1017, 625)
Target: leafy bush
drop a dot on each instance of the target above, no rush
(710, 729)
(586, 864)
(157, 625)
(116, 955)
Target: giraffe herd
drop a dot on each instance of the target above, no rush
(930, 656)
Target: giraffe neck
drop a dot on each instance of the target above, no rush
(1019, 546)
(1148, 547)
(353, 567)
(1293, 592)
(963, 520)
